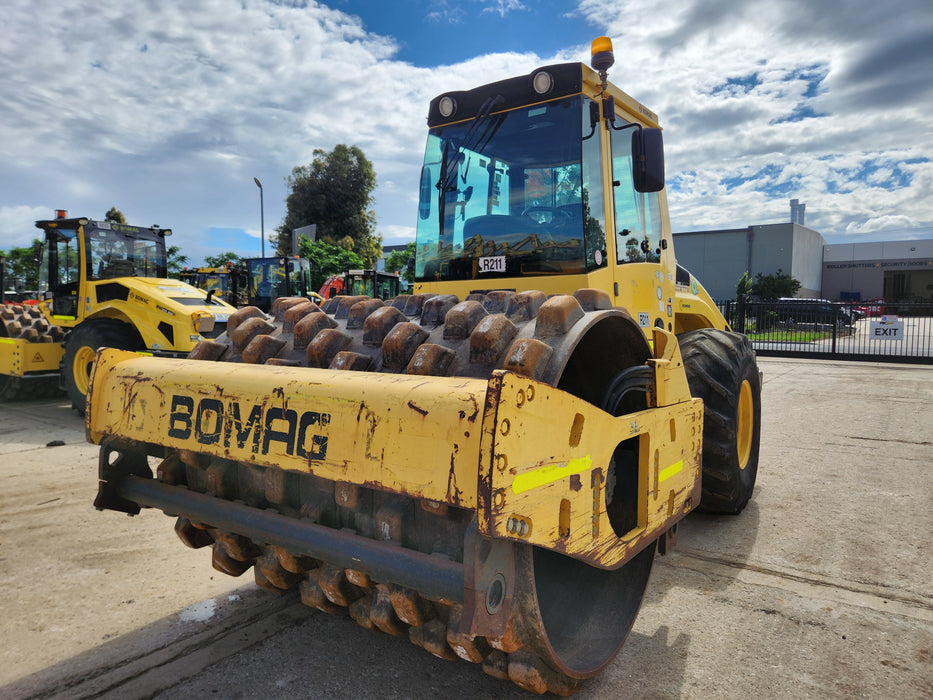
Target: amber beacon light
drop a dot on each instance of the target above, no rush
(601, 57)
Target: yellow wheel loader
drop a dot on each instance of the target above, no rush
(210, 278)
(104, 285)
(488, 465)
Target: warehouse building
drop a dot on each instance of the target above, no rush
(891, 270)
(719, 258)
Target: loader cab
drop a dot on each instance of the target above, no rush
(216, 279)
(78, 252)
(117, 250)
(371, 283)
(515, 184)
(263, 280)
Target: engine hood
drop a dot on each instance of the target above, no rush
(172, 295)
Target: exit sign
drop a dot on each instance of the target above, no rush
(886, 328)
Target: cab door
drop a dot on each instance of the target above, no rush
(66, 252)
(640, 282)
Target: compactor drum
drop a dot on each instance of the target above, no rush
(26, 324)
(485, 470)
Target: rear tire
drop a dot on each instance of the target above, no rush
(721, 369)
(81, 348)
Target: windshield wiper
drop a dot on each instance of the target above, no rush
(471, 140)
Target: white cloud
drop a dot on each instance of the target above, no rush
(447, 13)
(784, 92)
(503, 7)
(397, 235)
(177, 107)
(18, 224)
(168, 110)
(173, 110)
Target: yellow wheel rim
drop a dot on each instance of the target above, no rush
(81, 368)
(746, 425)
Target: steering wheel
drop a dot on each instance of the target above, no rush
(553, 211)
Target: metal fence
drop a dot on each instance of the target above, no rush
(873, 331)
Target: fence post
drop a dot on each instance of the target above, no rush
(739, 314)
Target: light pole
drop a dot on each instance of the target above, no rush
(262, 217)
(2, 280)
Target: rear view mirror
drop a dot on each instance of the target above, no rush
(648, 160)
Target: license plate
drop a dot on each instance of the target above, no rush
(492, 264)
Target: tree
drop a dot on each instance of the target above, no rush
(398, 262)
(335, 193)
(743, 290)
(115, 215)
(22, 268)
(327, 259)
(773, 287)
(175, 261)
(222, 259)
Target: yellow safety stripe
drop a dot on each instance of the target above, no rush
(668, 472)
(550, 474)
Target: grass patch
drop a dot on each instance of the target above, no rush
(785, 336)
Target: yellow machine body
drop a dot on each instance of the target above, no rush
(104, 284)
(19, 357)
(208, 278)
(169, 315)
(487, 465)
(531, 459)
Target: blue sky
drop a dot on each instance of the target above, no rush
(169, 110)
(442, 32)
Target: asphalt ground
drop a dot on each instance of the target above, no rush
(822, 587)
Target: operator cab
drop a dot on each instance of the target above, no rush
(96, 250)
(513, 182)
(266, 279)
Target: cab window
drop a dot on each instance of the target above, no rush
(638, 216)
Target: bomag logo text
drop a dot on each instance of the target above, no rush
(258, 428)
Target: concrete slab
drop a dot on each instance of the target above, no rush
(821, 588)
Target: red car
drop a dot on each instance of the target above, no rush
(871, 308)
